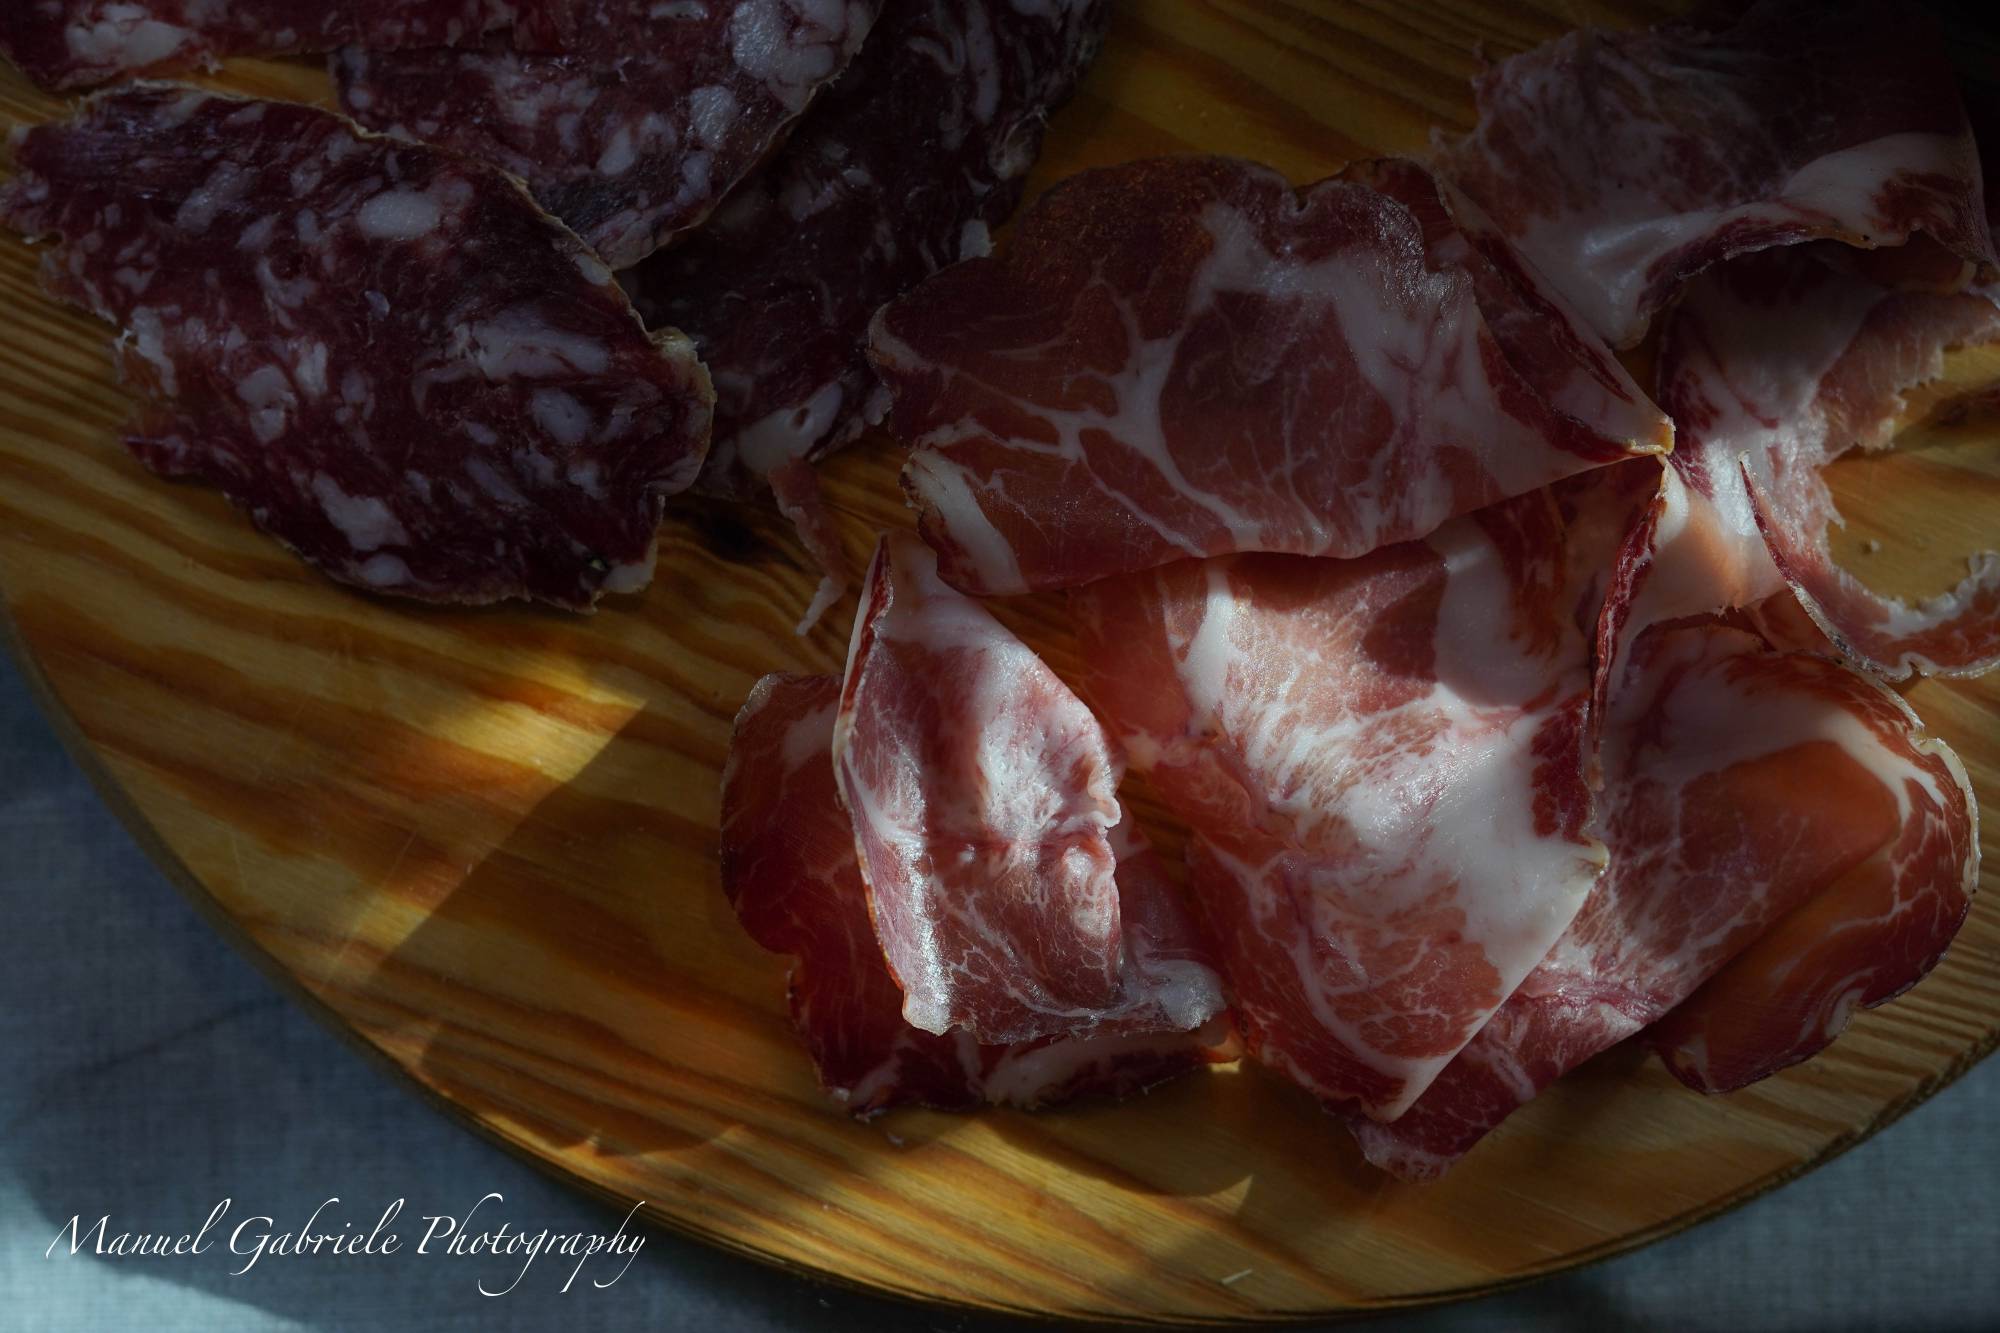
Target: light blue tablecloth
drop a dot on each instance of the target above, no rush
(151, 1072)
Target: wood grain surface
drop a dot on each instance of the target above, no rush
(483, 842)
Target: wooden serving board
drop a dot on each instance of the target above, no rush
(483, 842)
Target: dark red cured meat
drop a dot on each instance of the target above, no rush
(1379, 761)
(75, 43)
(386, 354)
(644, 120)
(906, 164)
(1774, 365)
(1739, 786)
(984, 798)
(903, 166)
(789, 867)
(1185, 357)
(1622, 163)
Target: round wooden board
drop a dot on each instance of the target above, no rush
(483, 842)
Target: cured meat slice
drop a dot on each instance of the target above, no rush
(1184, 357)
(384, 353)
(1772, 366)
(1862, 942)
(984, 796)
(1739, 786)
(643, 121)
(75, 43)
(1379, 760)
(1622, 163)
(903, 166)
(789, 867)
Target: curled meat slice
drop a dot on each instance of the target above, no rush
(383, 352)
(1623, 163)
(984, 797)
(1379, 760)
(1186, 357)
(1742, 788)
(1864, 940)
(789, 868)
(1772, 366)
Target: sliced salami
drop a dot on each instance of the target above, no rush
(904, 166)
(640, 125)
(76, 43)
(383, 352)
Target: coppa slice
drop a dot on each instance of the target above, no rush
(386, 354)
(1863, 941)
(643, 121)
(75, 43)
(1379, 761)
(1773, 365)
(1185, 357)
(1738, 785)
(789, 867)
(1623, 163)
(983, 794)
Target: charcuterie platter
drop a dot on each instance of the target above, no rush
(484, 842)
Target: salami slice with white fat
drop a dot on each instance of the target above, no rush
(383, 352)
(76, 43)
(644, 120)
(905, 165)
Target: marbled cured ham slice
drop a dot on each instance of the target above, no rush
(790, 870)
(1186, 357)
(385, 353)
(1622, 163)
(984, 797)
(1741, 788)
(645, 119)
(1772, 366)
(1379, 760)
(1861, 942)
(75, 43)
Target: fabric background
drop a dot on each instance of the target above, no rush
(149, 1070)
